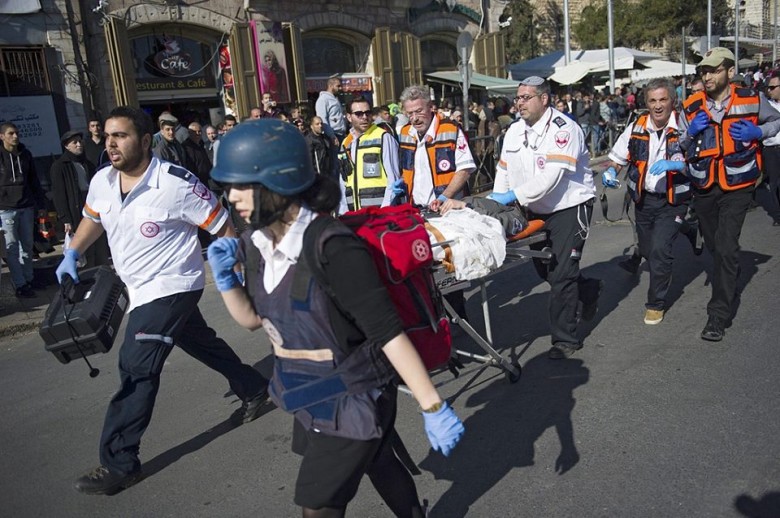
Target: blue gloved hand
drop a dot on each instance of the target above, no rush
(444, 429)
(68, 266)
(399, 187)
(744, 131)
(662, 166)
(222, 258)
(609, 178)
(698, 124)
(442, 198)
(504, 198)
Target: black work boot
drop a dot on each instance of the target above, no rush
(102, 481)
(562, 351)
(252, 408)
(714, 330)
(631, 265)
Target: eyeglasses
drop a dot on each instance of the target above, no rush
(711, 71)
(772, 87)
(525, 98)
(361, 114)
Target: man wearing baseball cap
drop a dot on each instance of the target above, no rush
(724, 127)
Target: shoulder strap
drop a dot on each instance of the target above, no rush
(251, 262)
(311, 259)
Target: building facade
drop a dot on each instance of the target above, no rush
(205, 59)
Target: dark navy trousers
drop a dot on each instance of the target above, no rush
(657, 225)
(152, 330)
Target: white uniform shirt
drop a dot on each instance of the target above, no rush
(546, 165)
(278, 260)
(656, 151)
(774, 140)
(153, 232)
(423, 193)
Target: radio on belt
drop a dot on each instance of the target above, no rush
(86, 318)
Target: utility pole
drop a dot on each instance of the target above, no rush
(611, 51)
(709, 27)
(736, 36)
(566, 34)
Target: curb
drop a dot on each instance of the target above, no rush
(15, 330)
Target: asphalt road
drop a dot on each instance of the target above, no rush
(645, 421)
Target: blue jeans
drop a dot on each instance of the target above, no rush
(18, 226)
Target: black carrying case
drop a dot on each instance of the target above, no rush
(87, 319)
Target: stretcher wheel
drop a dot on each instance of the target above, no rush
(547, 250)
(514, 378)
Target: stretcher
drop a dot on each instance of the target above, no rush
(517, 253)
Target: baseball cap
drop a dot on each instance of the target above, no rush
(168, 119)
(70, 135)
(532, 81)
(715, 56)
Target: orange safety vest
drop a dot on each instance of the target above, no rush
(441, 154)
(714, 156)
(678, 188)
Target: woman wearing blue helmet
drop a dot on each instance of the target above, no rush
(338, 351)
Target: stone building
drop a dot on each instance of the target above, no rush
(203, 59)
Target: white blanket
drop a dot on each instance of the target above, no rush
(478, 242)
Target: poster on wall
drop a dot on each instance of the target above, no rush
(226, 79)
(271, 60)
(35, 119)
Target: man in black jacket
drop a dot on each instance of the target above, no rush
(20, 193)
(169, 148)
(95, 143)
(70, 176)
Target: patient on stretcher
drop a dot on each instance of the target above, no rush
(474, 232)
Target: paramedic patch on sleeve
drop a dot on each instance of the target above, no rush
(559, 122)
(561, 139)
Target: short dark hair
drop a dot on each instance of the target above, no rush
(141, 121)
(358, 99)
(229, 117)
(6, 126)
(728, 63)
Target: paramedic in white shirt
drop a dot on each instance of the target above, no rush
(771, 155)
(650, 148)
(544, 167)
(150, 211)
(425, 134)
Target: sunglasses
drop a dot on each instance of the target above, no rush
(361, 114)
(772, 87)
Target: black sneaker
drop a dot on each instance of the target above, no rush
(714, 330)
(25, 292)
(252, 408)
(561, 351)
(631, 265)
(589, 295)
(102, 481)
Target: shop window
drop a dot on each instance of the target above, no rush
(438, 55)
(327, 56)
(173, 62)
(23, 72)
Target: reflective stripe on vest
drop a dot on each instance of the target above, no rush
(714, 156)
(441, 154)
(639, 152)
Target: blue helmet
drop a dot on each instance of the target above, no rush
(265, 151)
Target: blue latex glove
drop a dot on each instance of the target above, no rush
(744, 131)
(222, 259)
(698, 124)
(444, 429)
(68, 266)
(399, 187)
(609, 178)
(504, 198)
(442, 198)
(661, 166)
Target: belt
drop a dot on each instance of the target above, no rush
(655, 194)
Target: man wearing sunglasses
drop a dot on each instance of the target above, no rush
(544, 167)
(373, 158)
(724, 127)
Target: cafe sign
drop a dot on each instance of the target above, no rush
(173, 60)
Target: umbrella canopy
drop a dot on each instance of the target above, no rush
(659, 68)
(493, 85)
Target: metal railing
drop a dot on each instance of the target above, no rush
(485, 154)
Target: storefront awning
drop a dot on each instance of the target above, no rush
(493, 85)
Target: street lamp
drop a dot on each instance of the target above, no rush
(464, 44)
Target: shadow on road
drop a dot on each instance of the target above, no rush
(501, 435)
(768, 506)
